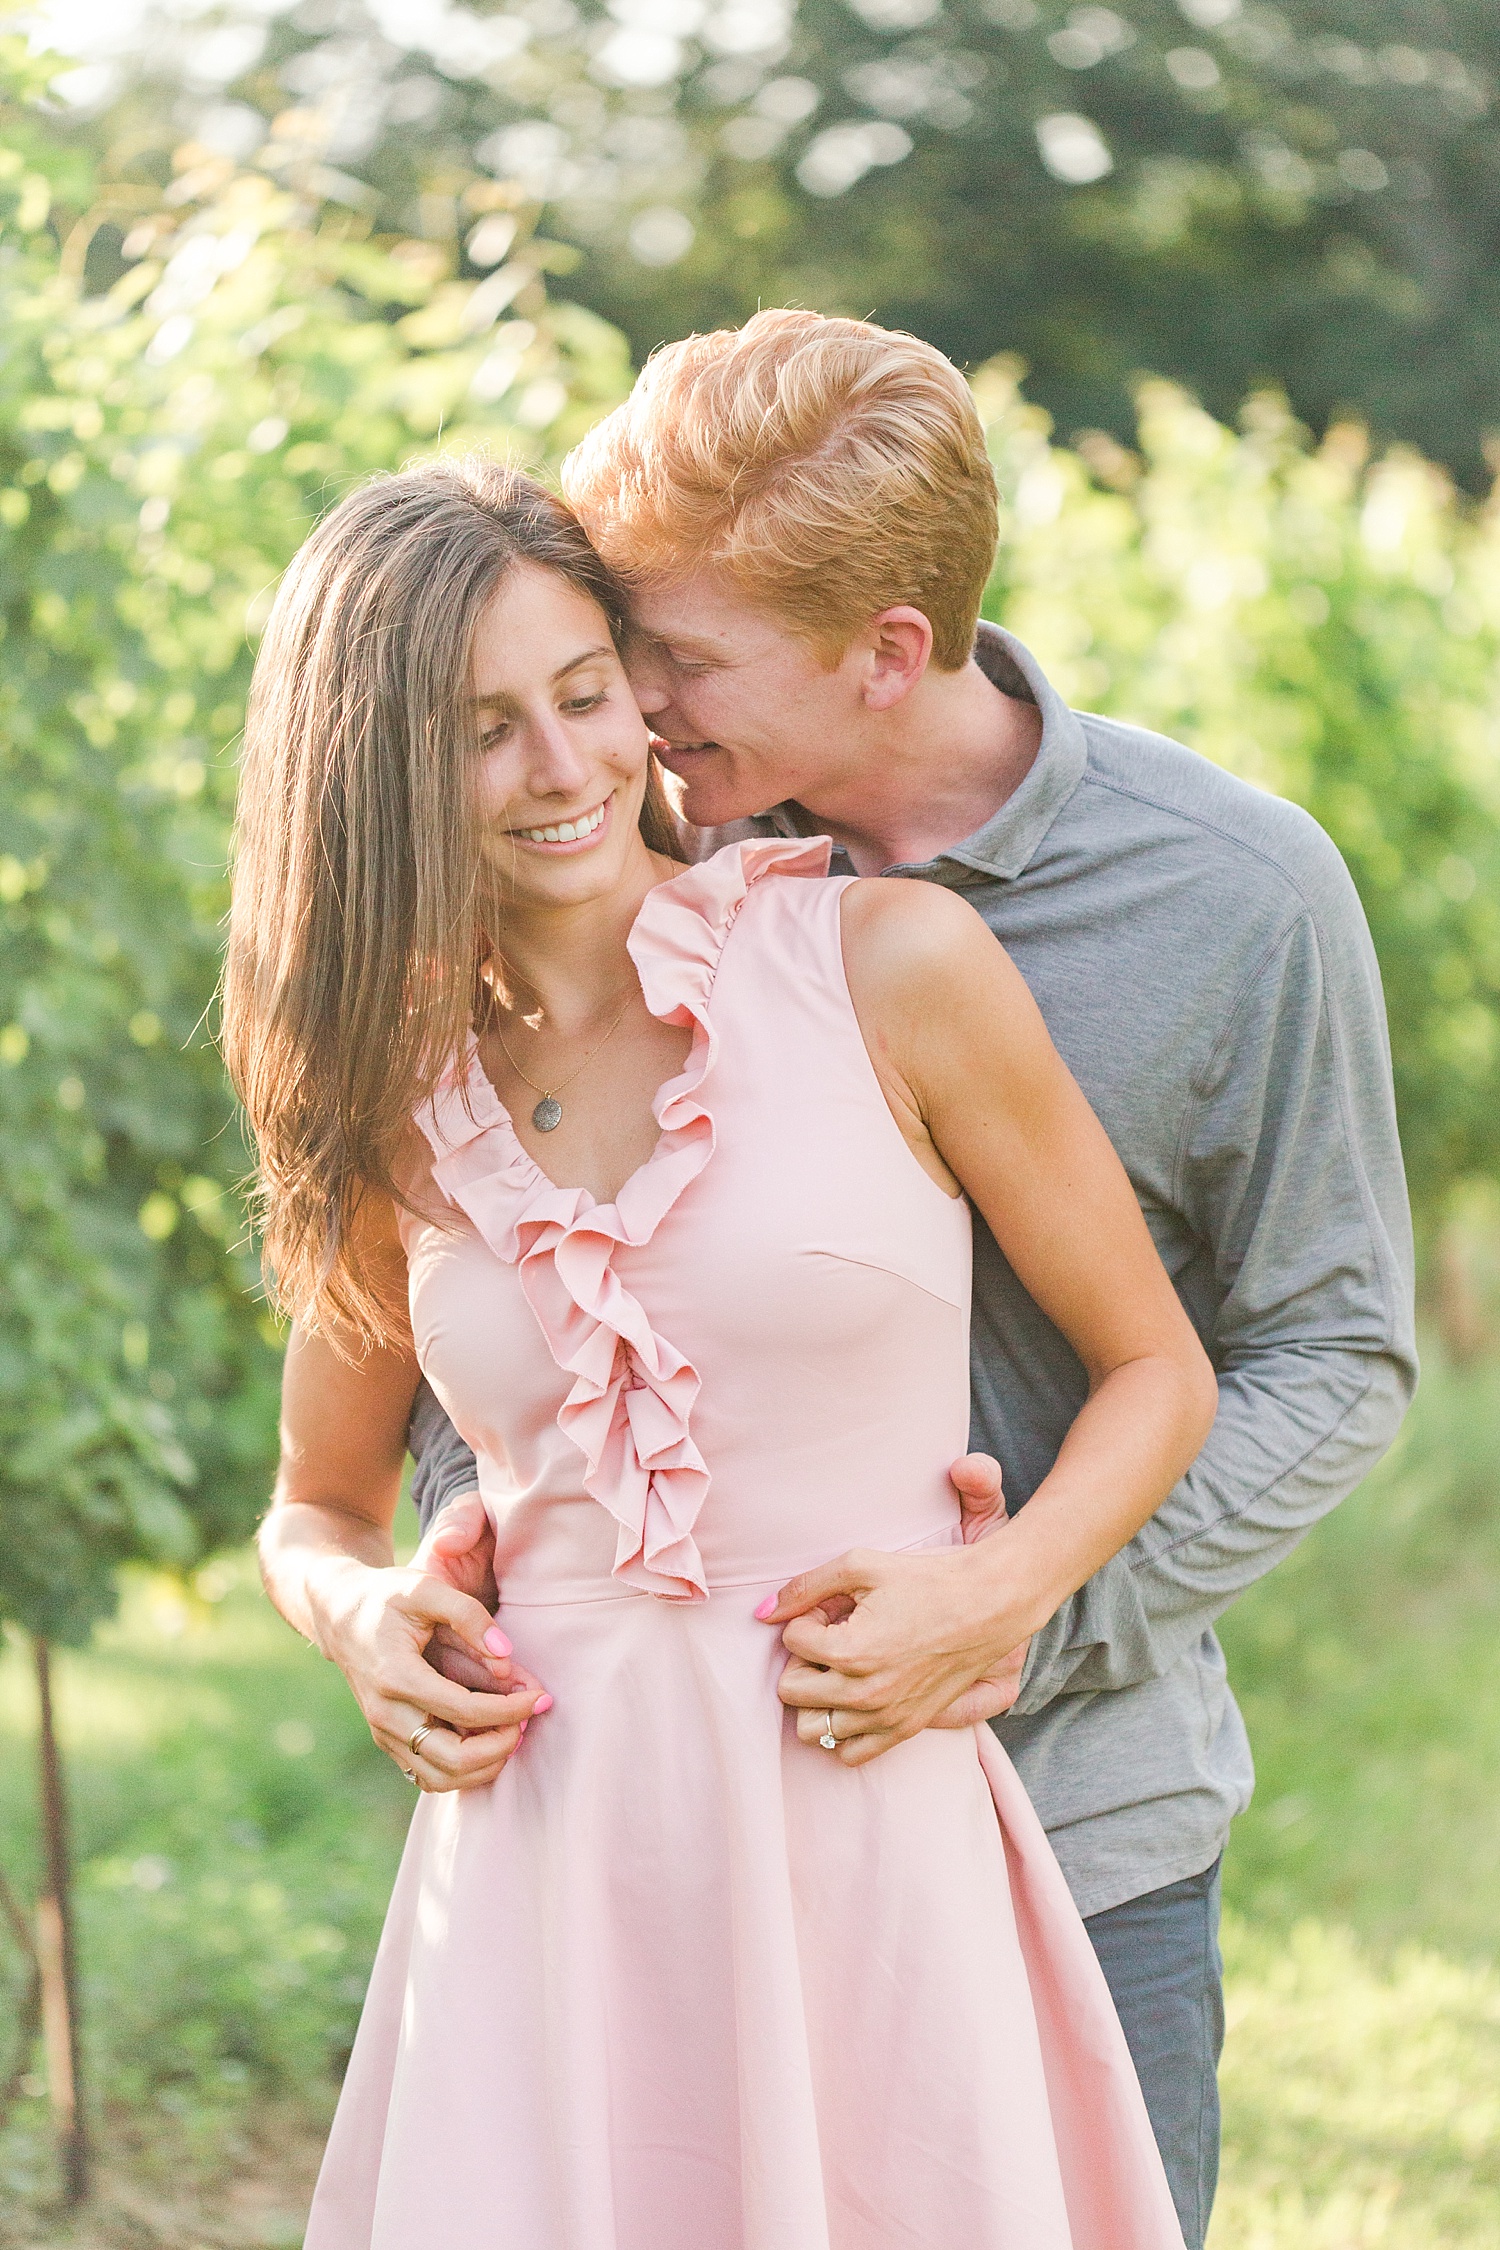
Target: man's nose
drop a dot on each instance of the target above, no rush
(648, 684)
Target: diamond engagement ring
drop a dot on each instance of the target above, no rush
(418, 1736)
(828, 1740)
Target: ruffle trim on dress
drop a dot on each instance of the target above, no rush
(630, 1407)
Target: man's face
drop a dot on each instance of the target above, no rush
(747, 713)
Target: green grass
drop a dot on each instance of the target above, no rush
(1362, 2095)
(237, 1833)
(1368, 1673)
(1362, 2071)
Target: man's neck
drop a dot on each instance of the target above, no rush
(962, 748)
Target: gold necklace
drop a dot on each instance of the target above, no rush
(547, 1115)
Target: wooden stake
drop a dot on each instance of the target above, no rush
(56, 1953)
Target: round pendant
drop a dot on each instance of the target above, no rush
(547, 1115)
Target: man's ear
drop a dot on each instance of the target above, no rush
(897, 650)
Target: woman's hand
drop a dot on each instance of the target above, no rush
(869, 1712)
(378, 1627)
(325, 1553)
(886, 1645)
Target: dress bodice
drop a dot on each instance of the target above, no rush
(756, 1355)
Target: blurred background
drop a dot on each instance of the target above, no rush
(1226, 279)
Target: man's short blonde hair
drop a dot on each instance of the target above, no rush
(832, 468)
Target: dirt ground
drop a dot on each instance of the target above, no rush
(257, 2201)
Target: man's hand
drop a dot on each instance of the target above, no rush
(890, 1644)
(976, 1480)
(460, 1550)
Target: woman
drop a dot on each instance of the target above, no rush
(660, 1175)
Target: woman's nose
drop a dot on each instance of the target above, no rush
(556, 767)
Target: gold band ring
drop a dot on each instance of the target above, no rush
(828, 1740)
(418, 1736)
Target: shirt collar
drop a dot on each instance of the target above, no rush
(1009, 839)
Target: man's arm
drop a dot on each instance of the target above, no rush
(1291, 1175)
(445, 1466)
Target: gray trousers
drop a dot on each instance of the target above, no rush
(1160, 1957)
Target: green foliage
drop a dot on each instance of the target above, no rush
(1219, 191)
(1327, 626)
(164, 447)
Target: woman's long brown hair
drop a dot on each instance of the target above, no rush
(350, 982)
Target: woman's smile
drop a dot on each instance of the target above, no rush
(572, 835)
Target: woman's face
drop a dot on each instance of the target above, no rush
(563, 748)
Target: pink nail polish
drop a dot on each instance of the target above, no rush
(766, 1607)
(496, 1643)
(542, 1703)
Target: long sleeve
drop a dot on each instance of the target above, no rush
(445, 1466)
(1289, 1176)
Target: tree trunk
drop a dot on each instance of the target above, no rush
(29, 2014)
(56, 1954)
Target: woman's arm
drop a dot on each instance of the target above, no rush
(986, 1104)
(329, 1567)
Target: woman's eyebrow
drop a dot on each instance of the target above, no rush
(503, 695)
(572, 666)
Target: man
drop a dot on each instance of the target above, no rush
(807, 517)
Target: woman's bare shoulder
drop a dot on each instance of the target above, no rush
(914, 940)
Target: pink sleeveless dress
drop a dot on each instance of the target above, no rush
(677, 1981)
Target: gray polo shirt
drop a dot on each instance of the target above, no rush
(1203, 964)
